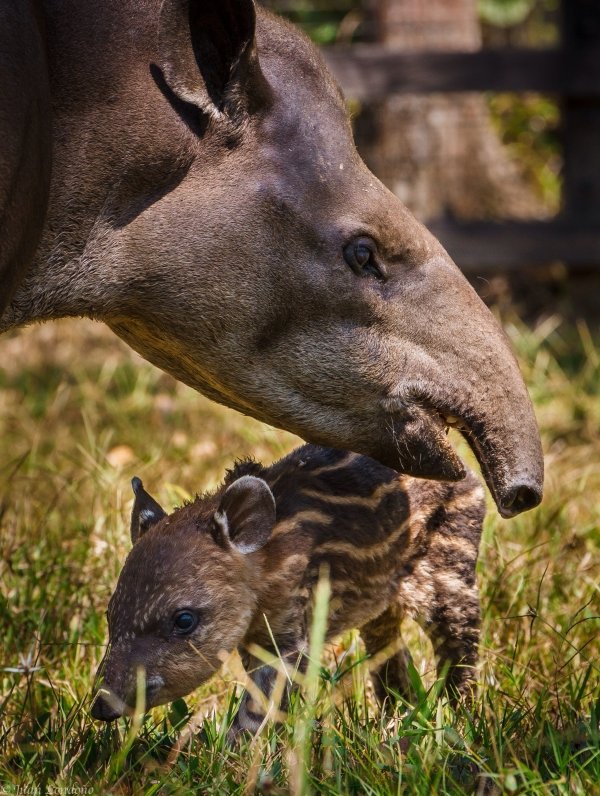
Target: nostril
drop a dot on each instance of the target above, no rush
(521, 498)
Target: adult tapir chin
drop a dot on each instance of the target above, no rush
(206, 201)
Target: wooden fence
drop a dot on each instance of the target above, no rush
(572, 71)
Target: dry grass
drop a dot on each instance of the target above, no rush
(81, 414)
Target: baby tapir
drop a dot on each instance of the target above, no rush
(237, 568)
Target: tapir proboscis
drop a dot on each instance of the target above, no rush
(185, 172)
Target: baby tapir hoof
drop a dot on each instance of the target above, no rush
(237, 568)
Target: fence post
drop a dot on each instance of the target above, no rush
(581, 114)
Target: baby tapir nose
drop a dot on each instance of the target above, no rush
(103, 710)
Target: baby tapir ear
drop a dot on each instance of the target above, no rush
(146, 511)
(246, 514)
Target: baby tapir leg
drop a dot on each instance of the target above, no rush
(382, 640)
(453, 628)
(444, 582)
(251, 712)
(441, 590)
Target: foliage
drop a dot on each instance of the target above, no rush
(81, 414)
(325, 20)
(533, 23)
(322, 20)
(528, 125)
(504, 12)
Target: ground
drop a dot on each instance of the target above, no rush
(80, 414)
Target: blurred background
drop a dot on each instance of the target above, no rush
(484, 167)
(483, 116)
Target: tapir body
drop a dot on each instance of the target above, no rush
(185, 172)
(238, 568)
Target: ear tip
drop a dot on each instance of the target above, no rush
(136, 485)
(253, 485)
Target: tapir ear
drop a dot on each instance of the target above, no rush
(208, 55)
(146, 511)
(246, 514)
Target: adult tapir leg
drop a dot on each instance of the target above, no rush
(25, 141)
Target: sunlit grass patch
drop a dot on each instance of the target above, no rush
(81, 414)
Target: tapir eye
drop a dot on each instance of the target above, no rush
(184, 622)
(361, 257)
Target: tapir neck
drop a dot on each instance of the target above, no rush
(277, 580)
(65, 280)
(108, 147)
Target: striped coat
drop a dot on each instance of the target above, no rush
(240, 566)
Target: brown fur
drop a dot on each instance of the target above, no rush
(204, 188)
(393, 546)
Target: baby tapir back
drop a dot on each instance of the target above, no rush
(237, 568)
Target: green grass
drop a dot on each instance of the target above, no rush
(80, 414)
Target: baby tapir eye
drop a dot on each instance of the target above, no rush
(361, 256)
(184, 622)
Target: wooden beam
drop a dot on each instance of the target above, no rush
(581, 115)
(371, 72)
(482, 245)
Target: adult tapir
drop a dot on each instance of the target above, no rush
(206, 201)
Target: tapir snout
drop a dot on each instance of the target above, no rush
(108, 706)
(208, 203)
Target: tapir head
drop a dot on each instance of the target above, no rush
(186, 595)
(274, 273)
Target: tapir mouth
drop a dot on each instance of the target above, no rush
(422, 449)
(416, 442)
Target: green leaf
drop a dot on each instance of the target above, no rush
(178, 713)
(504, 13)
